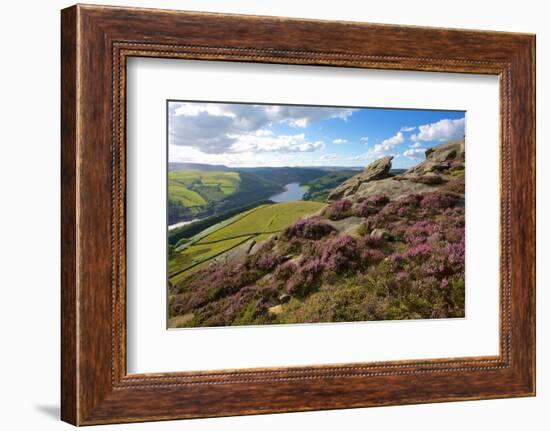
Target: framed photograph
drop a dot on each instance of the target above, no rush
(265, 215)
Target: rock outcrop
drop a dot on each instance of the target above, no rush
(439, 159)
(422, 178)
(377, 170)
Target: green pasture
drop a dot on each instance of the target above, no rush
(257, 224)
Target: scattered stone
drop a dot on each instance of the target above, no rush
(284, 298)
(250, 246)
(276, 309)
(381, 234)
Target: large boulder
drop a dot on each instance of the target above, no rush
(439, 159)
(378, 170)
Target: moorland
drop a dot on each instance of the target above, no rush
(347, 244)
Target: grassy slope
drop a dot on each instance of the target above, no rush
(204, 193)
(267, 219)
(193, 188)
(257, 223)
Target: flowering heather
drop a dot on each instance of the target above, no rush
(308, 228)
(306, 279)
(455, 186)
(370, 241)
(267, 261)
(439, 200)
(421, 231)
(338, 210)
(285, 271)
(372, 205)
(417, 271)
(371, 256)
(419, 251)
(340, 254)
(455, 253)
(249, 303)
(411, 200)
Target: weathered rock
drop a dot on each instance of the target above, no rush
(439, 159)
(381, 234)
(250, 246)
(377, 170)
(391, 188)
(346, 224)
(430, 178)
(284, 298)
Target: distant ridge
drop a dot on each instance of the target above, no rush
(179, 166)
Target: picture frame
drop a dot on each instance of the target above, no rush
(96, 42)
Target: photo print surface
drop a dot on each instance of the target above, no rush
(290, 214)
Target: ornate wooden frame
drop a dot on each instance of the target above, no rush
(95, 42)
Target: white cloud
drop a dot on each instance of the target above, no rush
(282, 143)
(329, 157)
(387, 145)
(365, 139)
(443, 130)
(416, 145)
(407, 129)
(393, 141)
(415, 153)
(215, 128)
(263, 132)
(194, 109)
(339, 141)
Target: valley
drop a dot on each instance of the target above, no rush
(304, 245)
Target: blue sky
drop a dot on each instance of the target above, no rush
(289, 135)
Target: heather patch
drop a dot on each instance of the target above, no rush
(375, 256)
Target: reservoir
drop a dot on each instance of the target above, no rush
(293, 192)
(181, 223)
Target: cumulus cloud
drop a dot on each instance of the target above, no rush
(415, 153)
(364, 139)
(339, 141)
(386, 146)
(282, 143)
(231, 127)
(330, 157)
(407, 129)
(443, 130)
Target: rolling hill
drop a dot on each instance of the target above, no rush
(199, 190)
(255, 225)
(385, 246)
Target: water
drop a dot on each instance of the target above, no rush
(182, 223)
(293, 192)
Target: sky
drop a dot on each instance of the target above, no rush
(239, 134)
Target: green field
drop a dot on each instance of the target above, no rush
(257, 224)
(194, 188)
(266, 219)
(200, 194)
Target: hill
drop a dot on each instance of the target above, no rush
(246, 228)
(197, 194)
(200, 190)
(319, 188)
(385, 247)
